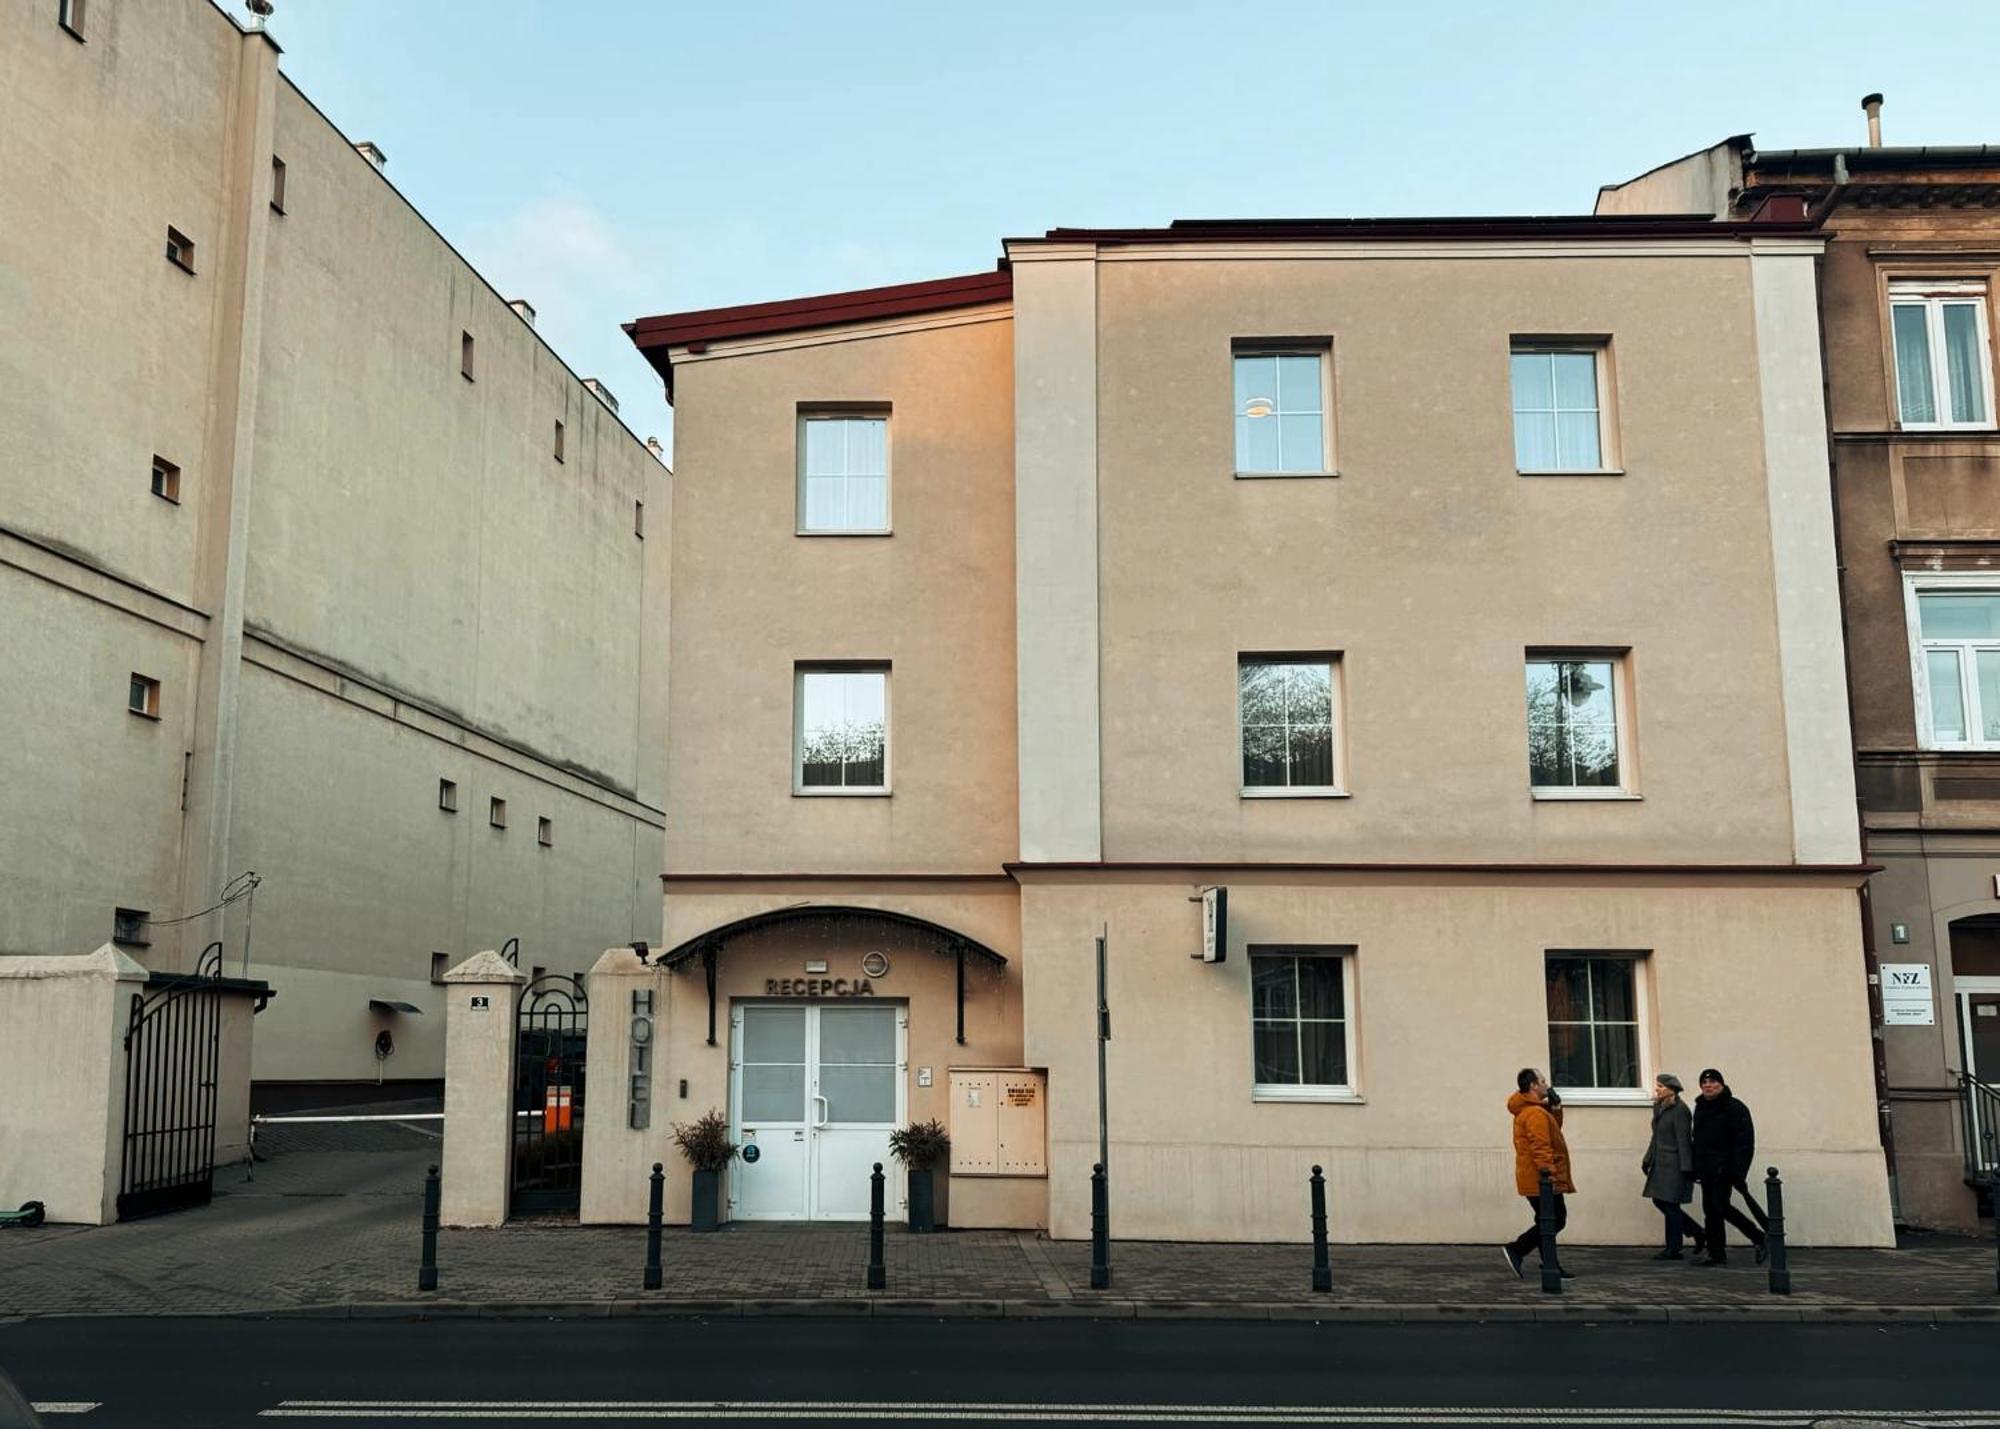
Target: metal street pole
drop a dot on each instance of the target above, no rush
(1100, 1174)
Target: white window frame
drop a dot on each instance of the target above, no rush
(1336, 716)
(1317, 348)
(800, 788)
(1621, 723)
(1609, 461)
(1348, 1091)
(1642, 1013)
(1960, 583)
(1933, 297)
(846, 414)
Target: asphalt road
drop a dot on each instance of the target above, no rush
(171, 1373)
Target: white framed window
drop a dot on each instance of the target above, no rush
(841, 730)
(1579, 733)
(844, 473)
(1944, 355)
(1283, 395)
(142, 696)
(1301, 1023)
(1955, 621)
(1285, 710)
(1560, 420)
(1596, 1052)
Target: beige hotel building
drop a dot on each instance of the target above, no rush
(1456, 598)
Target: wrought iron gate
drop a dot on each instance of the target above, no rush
(551, 1031)
(171, 1041)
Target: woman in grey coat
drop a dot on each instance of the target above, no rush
(1669, 1165)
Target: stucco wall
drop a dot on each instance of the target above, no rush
(89, 792)
(104, 358)
(427, 591)
(1432, 566)
(365, 876)
(935, 599)
(502, 585)
(1762, 981)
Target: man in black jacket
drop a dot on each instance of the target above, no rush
(1725, 1145)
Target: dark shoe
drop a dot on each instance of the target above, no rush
(1763, 1251)
(1667, 1255)
(1513, 1259)
(1564, 1273)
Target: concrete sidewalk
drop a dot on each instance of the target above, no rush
(330, 1225)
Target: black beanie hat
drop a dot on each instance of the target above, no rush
(1709, 1074)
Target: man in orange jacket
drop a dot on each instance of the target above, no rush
(1538, 1147)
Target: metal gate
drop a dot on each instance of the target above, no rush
(550, 1034)
(171, 1041)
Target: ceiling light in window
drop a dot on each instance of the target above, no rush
(1259, 407)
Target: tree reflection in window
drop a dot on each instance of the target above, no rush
(1572, 725)
(843, 729)
(1287, 715)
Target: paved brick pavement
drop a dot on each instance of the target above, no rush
(331, 1220)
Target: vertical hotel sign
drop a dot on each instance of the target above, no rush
(1214, 925)
(639, 1093)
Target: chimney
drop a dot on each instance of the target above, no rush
(524, 309)
(260, 11)
(659, 452)
(603, 394)
(372, 152)
(1872, 107)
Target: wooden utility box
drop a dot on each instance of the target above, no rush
(999, 1121)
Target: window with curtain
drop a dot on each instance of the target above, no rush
(1281, 412)
(1299, 1019)
(1285, 705)
(1944, 367)
(1593, 1020)
(842, 731)
(1558, 420)
(1959, 631)
(844, 473)
(1573, 738)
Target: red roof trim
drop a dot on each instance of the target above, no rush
(654, 335)
(823, 310)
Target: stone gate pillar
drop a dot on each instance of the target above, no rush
(480, 998)
(62, 1076)
(627, 1124)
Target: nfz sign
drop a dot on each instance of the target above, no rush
(1906, 995)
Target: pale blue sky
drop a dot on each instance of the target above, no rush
(615, 158)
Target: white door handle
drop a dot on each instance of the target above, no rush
(826, 1108)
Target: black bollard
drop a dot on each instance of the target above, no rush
(878, 1275)
(1100, 1228)
(653, 1227)
(1545, 1221)
(427, 1270)
(1322, 1272)
(1774, 1232)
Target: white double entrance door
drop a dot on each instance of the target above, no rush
(814, 1091)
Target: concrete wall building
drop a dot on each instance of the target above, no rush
(315, 560)
(1457, 596)
(1906, 299)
